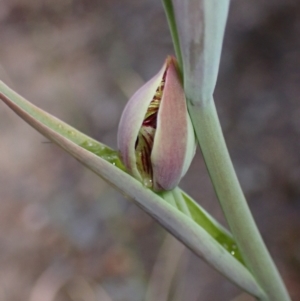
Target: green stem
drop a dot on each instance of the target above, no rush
(181, 202)
(168, 196)
(168, 6)
(233, 202)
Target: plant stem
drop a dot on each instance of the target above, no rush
(181, 203)
(233, 202)
(168, 6)
(169, 198)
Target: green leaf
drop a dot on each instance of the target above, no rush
(181, 226)
(215, 229)
(63, 128)
(200, 29)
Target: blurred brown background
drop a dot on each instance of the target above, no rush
(65, 235)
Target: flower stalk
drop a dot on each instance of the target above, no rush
(234, 204)
(200, 26)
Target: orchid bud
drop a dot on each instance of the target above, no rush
(156, 137)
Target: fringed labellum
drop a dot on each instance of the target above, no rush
(156, 137)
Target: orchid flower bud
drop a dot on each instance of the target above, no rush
(156, 137)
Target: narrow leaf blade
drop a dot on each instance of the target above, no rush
(213, 227)
(182, 227)
(61, 127)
